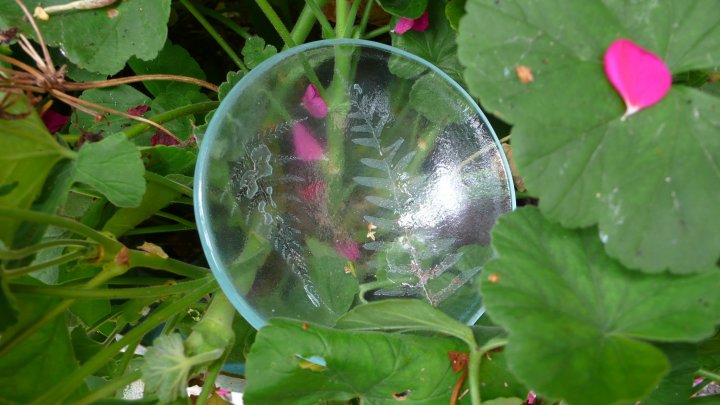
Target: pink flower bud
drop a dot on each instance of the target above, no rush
(306, 146)
(313, 103)
(419, 24)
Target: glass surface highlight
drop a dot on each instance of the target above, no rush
(346, 171)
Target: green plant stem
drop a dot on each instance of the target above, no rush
(126, 358)
(20, 253)
(155, 291)
(209, 383)
(110, 245)
(350, 20)
(341, 14)
(213, 33)
(364, 20)
(138, 129)
(307, 18)
(709, 374)
(276, 22)
(148, 230)
(109, 388)
(242, 32)
(315, 8)
(70, 383)
(377, 32)
(137, 258)
(474, 376)
(109, 271)
(167, 183)
(178, 219)
(66, 258)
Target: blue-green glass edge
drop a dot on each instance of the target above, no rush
(211, 133)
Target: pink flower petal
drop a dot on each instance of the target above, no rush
(54, 121)
(530, 398)
(348, 248)
(422, 23)
(306, 146)
(403, 25)
(641, 77)
(221, 391)
(313, 103)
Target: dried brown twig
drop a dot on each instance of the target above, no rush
(44, 78)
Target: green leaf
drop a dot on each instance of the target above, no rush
(335, 286)
(656, 171)
(565, 302)
(496, 379)
(53, 195)
(120, 98)
(28, 154)
(181, 127)
(8, 307)
(404, 8)
(454, 10)
(42, 359)
(677, 386)
(114, 168)
(171, 60)
(437, 100)
(98, 40)
(165, 160)
(436, 45)
(255, 51)
(709, 353)
(231, 80)
(290, 364)
(156, 197)
(404, 314)
(166, 368)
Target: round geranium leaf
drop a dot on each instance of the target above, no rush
(650, 181)
(587, 319)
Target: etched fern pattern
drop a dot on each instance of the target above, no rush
(414, 253)
(252, 180)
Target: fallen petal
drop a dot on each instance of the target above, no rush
(139, 110)
(306, 146)
(163, 138)
(54, 121)
(313, 103)
(641, 77)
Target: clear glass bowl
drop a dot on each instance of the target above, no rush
(347, 171)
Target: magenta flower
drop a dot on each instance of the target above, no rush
(306, 146)
(348, 248)
(54, 121)
(419, 24)
(640, 76)
(313, 103)
(530, 398)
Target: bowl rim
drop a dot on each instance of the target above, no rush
(211, 253)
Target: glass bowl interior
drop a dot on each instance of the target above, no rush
(346, 171)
